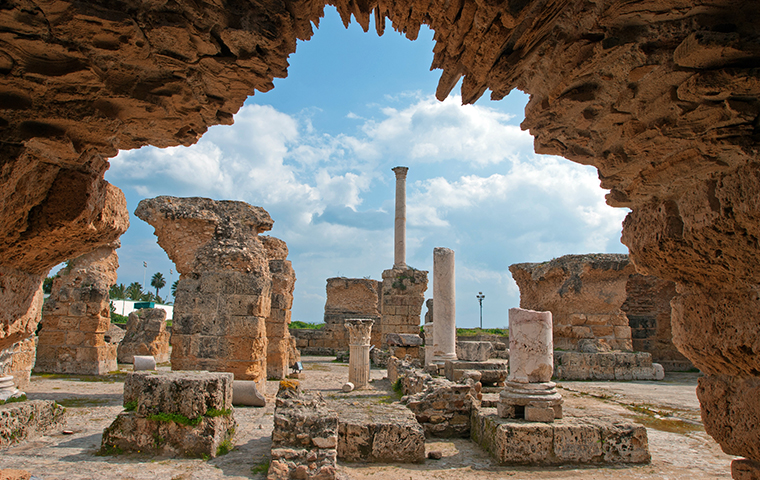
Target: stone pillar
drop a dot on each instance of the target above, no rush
(359, 331)
(283, 284)
(444, 314)
(77, 316)
(399, 245)
(529, 392)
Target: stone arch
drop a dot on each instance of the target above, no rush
(660, 96)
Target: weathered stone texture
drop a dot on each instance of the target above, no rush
(22, 421)
(18, 361)
(305, 436)
(146, 335)
(647, 306)
(77, 316)
(229, 277)
(661, 97)
(571, 440)
(380, 434)
(403, 294)
(584, 294)
(204, 400)
(278, 335)
(604, 366)
(350, 298)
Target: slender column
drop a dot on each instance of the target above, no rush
(399, 258)
(444, 310)
(359, 332)
(529, 392)
(429, 341)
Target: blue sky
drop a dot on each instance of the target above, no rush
(317, 151)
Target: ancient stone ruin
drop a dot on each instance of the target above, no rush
(146, 335)
(661, 97)
(346, 298)
(222, 311)
(359, 333)
(173, 413)
(77, 316)
(279, 354)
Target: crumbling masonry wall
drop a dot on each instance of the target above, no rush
(283, 283)
(403, 294)
(224, 293)
(661, 97)
(77, 316)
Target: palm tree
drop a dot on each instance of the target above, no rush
(134, 291)
(157, 280)
(174, 288)
(118, 292)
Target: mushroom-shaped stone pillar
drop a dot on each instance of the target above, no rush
(359, 332)
(529, 392)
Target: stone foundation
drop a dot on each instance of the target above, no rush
(185, 414)
(606, 366)
(305, 436)
(403, 294)
(77, 316)
(22, 421)
(570, 440)
(493, 372)
(380, 434)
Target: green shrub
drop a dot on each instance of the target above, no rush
(312, 326)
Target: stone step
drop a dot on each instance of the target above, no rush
(375, 433)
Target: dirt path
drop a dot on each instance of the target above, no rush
(679, 446)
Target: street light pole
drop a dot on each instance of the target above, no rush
(480, 298)
(145, 273)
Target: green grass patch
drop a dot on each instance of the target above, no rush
(262, 467)
(83, 402)
(471, 332)
(130, 406)
(212, 412)
(22, 398)
(306, 325)
(112, 377)
(120, 319)
(176, 418)
(109, 450)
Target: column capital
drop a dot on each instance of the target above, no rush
(359, 331)
(400, 171)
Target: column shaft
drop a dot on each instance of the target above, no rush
(444, 311)
(359, 331)
(399, 248)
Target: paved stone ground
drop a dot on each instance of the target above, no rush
(680, 448)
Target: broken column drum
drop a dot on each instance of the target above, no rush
(529, 392)
(444, 313)
(359, 331)
(399, 244)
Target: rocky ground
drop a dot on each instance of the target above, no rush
(679, 446)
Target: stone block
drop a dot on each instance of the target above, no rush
(380, 433)
(744, 469)
(131, 432)
(21, 421)
(539, 414)
(403, 339)
(145, 335)
(474, 351)
(190, 394)
(493, 371)
(143, 363)
(570, 440)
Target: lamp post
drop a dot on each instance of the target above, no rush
(145, 273)
(480, 298)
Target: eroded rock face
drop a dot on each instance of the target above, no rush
(584, 294)
(77, 317)
(227, 284)
(660, 96)
(279, 354)
(146, 335)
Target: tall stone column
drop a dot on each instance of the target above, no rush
(529, 392)
(399, 245)
(359, 332)
(444, 313)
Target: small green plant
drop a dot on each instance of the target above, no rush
(176, 418)
(22, 398)
(158, 440)
(109, 450)
(212, 412)
(120, 319)
(224, 448)
(130, 406)
(398, 387)
(471, 332)
(261, 467)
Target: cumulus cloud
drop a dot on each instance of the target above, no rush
(474, 185)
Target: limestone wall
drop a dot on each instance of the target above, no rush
(278, 335)
(647, 306)
(77, 316)
(226, 287)
(403, 294)
(584, 294)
